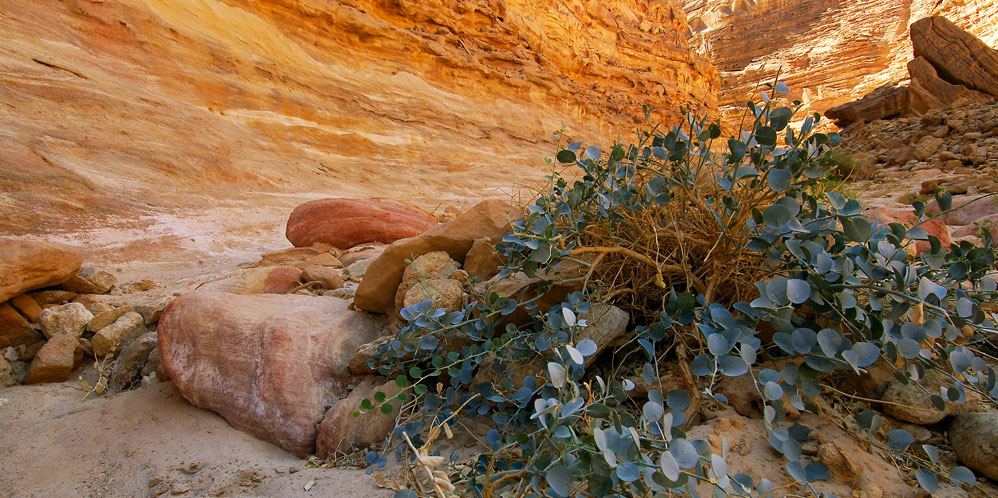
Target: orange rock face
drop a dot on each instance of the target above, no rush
(26, 265)
(345, 223)
(119, 105)
(831, 51)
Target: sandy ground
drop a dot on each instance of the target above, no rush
(145, 442)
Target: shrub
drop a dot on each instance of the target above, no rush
(725, 255)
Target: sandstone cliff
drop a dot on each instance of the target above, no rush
(113, 106)
(831, 51)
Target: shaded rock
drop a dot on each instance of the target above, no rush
(27, 306)
(55, 361)
(910, 403)
(108, 317)
(958, 56)
(268, 363)
(69, 318)
(342, 293)
(15, 329)
(345, 223)
(444, 293)
(327, 277)
(152, 309)
(882, 103)
(340, 432)
(263, 280)
(517, 284)
(434, 265)
(154, 367)
(482, 260)
(90, 281)
(605, 325)
(8, 375)
(358, 269)
(935, 227)
(928, 91)
(452, 340)
(27, 265)
(489, 218)
(128, 366)
(974, 437)
(112, 338)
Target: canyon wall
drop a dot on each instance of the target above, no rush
(830, 51)
(111, 107)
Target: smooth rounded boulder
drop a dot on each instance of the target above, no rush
(269, 364)
(345, 223)
(26, 265)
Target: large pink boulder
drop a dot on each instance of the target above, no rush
(345, 223)
(269, 364)
(489, 218)
(27, 265)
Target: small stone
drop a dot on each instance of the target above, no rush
(327, 277)
(365, 251)
(110, 339)
(974, 437)
(8, 377)
(90, 281)
(910, 402)
(342, 293)
(55, 361)
(106, 318)
(15, 329)
(357, 269)
(138, 286)
(69, 318)
(27, 306)
(341, 432)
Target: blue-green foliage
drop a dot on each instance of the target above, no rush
(842, 293)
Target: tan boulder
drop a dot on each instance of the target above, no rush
(269, 364)
(263, 280)
(432, 265)
(27, 306)
(490, 218)
(443, 293)
(112, 338)
(71, 318)
(152, 309)
(15, 329)
(27, 265)
(90, 281)
(55, 361)
(345, 223)
(340, 432)
(108, 317)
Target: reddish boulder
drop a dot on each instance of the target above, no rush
(489, 218)
(261, 280)
(27, 265)
(345, 223)
(934, 226)
(341, 432)
(14, 329)
(268, 364)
